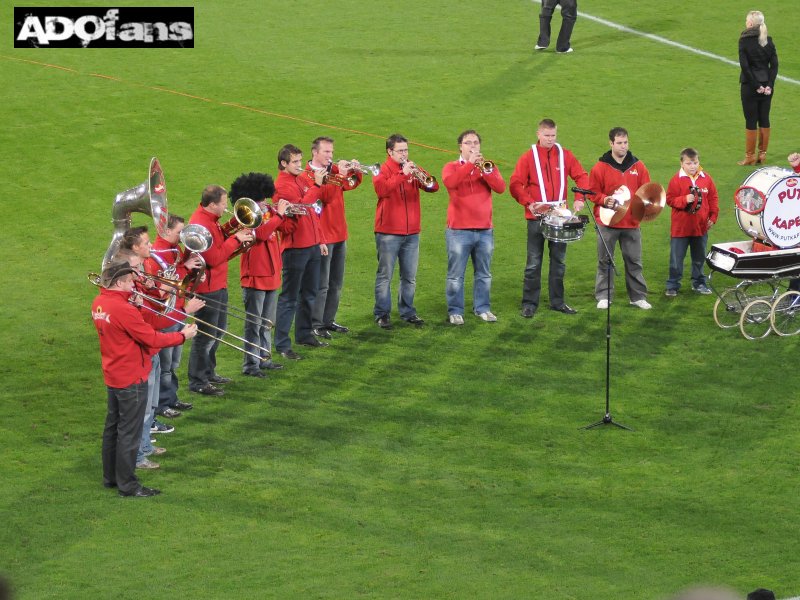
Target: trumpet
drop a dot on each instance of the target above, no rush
(485, 166)
(372, 169)
(94, 279)
(421, 175)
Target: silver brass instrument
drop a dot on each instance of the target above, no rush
(195, 239)
(421, 175)
(373, 169)
(94, 279)
(149, 197)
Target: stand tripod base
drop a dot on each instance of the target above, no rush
(607, 420)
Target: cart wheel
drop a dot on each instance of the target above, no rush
(728, 308)
(785, 316)
(754, 322)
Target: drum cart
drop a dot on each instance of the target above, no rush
(759, 303)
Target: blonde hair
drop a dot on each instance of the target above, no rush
(756, 17)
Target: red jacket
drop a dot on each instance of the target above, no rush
(126, 341)
(470, 193)
(607, 175)
(398, 211)
(261, 264)
(152, 266)
(685, 223)
(217, 255)
(297, 190)
(524, 183)
(332, 221)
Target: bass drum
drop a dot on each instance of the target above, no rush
(768, 206)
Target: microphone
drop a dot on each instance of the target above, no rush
(585, 192)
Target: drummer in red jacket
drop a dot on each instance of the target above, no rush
(127, 342)
(695, 207)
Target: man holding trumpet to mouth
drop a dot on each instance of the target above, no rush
(470, 181)
(540, 180)
(203, 355)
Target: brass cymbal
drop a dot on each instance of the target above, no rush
(653, 199)
(611, 216)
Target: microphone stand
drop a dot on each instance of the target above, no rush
(607, 418)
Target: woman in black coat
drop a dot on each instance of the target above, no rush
(759, 62)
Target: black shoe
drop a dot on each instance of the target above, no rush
(109, 484)
(321, 333)
(415, 320)
(169, 413)
(291, 354)
(564, 308)
(142, 492)
(183, 406)
(268, 365)
(528, 312)
(209, 389)
(257, 374)
(313, 342)
(337, 328)
(384, 322)
(219, 379)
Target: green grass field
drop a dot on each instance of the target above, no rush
(432, 463)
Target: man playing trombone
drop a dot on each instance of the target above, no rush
(538, 182)
(342, 177)
(397, 227)
(203, 357)
(126, 343)
(470, 181)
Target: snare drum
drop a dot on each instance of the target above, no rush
(768, 206)
(560, 225)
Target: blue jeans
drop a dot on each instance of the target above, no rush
(677, 253)
(264, 304)
(203, 355)
(170, 358)
(153, 384)
(300, 282)
(532, 281)
(121, 435)
(331, 279)
(391, 249)
(463, 244)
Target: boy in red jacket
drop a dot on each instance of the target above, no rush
(695, 207)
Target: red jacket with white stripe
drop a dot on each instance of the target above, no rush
(524, 183)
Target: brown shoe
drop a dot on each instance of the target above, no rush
(749, 148)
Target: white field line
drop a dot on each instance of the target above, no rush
(668, 42)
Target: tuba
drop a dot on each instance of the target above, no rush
(149, 197)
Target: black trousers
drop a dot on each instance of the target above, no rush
(755, 107)
(569, 14)
(122, 434)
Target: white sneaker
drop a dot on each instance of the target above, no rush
(538, 47)
(456, 320)
(567, 51)
(643, 304)
(488, 317)
(602, 304)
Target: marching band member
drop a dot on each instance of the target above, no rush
(203, 355)
(126, 343)
(469, 227)
(695, 207)
(397, 227)
(540, 177)
(166, 255)
(616, 168)
(302, 249)
(334, 232)
(260, 268)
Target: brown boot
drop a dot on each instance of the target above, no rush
(763, 144)
(749, 148)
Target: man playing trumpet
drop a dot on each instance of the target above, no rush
(397, 227)
(203, 355)
(470, 181)
(333, 225)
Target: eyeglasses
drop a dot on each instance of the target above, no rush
(403, 151)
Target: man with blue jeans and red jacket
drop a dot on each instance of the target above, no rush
(397, 227)
(469, 230)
